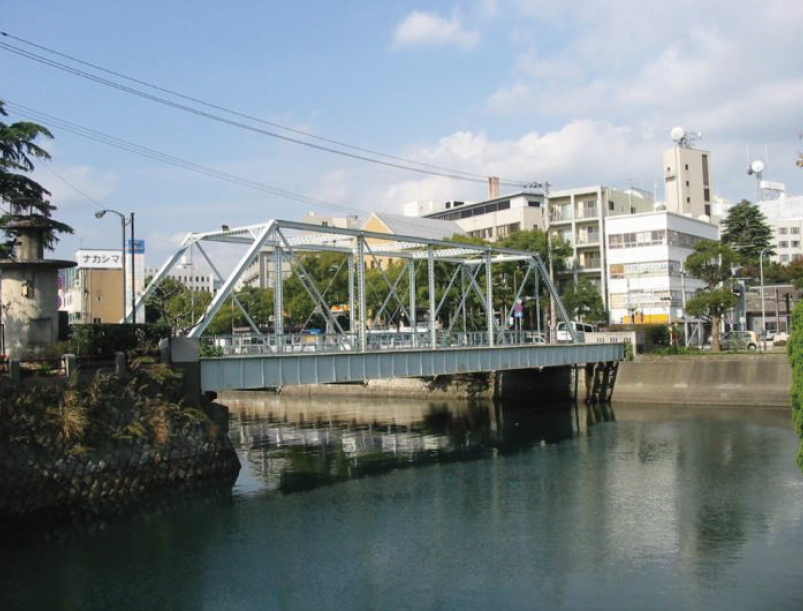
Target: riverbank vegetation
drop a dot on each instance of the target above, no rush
(96, 414)
(795, 351)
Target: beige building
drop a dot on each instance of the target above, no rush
(577, 216)
(93, 295)
(687, 181)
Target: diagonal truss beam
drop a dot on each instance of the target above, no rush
(228, 285)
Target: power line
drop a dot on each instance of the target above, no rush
(72, 186)
(137, 149)
(448, 173)
(247, 116)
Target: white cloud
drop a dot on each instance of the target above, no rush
(420, 29)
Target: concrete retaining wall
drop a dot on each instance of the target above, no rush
(743, 380)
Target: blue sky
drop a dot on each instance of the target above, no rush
(574, 93)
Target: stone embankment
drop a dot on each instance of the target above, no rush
(69, 449)
(749, 380)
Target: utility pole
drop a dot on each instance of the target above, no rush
(133, 277)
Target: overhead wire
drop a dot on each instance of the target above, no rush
(90, 199)
(143, 151)
(453, 174)
(247, 116)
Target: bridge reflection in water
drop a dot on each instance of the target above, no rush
(291, 444)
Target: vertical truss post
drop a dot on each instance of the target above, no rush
(537, 304)
(433, 334)
(489, 308)
(463, 297)
(278, 298)
(363, 322)
(351, 294)
(413, 321)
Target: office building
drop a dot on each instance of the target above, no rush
(645, 274)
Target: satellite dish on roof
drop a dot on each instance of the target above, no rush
(678, 134)
(757, 166)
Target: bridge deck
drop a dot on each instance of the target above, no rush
(266, 371)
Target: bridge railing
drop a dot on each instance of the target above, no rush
(376, 340)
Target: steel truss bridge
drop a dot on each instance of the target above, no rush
(412, 348)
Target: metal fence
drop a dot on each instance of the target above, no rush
(294, 343)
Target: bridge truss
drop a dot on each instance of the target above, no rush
(285, 243)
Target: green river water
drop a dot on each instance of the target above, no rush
(388, 504)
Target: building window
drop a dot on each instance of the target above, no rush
(783, 244)
(795, 243)
(708, 208)
(611, 206)
(535, 204)
(784, 258)
(687, 166)
(688, 200)
(707, 194)
(448, 205)
(794, 230)
(687, 183)
(781, 230)
(705, 169)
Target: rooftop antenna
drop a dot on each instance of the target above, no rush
(683, 138)
(756, 168)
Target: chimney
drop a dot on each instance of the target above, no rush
(493, 187)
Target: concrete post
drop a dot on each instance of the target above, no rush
(119, 363)
(14, 373)
(70, 365)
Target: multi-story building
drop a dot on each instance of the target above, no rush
(192, 277)
(92, 292)
(491, 219)
(645, 265)
(785, 217)
(687, 180)
(578, 217)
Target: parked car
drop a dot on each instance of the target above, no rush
(739, 340)
(564, 335)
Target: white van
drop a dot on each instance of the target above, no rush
(580, 329)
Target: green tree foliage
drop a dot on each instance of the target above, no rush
(746, 231)
(712, 262)
(584, 303)
(26, 200)
(795, 351)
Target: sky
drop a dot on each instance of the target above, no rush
(573, 93)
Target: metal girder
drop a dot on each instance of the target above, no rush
(245, 372)
(228, 285)
(387, 281)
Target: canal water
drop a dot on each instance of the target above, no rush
(389, 504)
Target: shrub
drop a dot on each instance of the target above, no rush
(106, 339)
(794, 349)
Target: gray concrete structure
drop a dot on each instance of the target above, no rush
(29, 290)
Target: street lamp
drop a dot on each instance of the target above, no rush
(123, 222)
(763, 313)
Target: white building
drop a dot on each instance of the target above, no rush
(191, 276)
(578, 216)
(491, 219)
(646, 257)
(785, 217)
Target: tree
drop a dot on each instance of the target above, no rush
(712, 263)
(795, 352)
(746, 231)
(584, 303)
(26, 199)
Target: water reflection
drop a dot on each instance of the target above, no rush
(292, 444)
